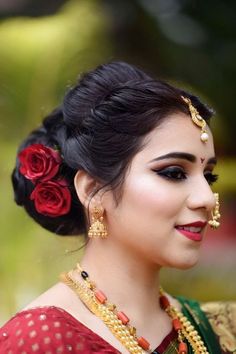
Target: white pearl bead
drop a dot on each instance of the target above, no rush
(204, 137)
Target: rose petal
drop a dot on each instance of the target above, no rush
(51, 198)
(39, 162)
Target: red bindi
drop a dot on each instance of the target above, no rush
(202, 159)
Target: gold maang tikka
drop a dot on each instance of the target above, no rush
(197, 119)
(214, 223)
(98, 228)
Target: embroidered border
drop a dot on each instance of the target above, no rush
(222, 317)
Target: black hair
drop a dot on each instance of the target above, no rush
(99, 127)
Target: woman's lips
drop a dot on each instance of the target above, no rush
(194, 236)
(193, 231)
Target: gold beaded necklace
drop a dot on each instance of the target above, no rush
(119, 324)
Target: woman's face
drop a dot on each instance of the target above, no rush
(167, 186)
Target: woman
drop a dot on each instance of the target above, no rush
(128, 161)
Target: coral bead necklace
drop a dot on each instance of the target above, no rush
(119, 323)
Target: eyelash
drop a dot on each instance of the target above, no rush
(177, 175)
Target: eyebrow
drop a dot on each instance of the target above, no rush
(183, 156)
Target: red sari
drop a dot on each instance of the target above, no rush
(51, 330)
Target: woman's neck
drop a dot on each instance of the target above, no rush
(129, 282)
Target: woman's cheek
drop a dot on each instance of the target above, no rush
(148, 192)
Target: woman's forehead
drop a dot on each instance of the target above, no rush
(178, 133)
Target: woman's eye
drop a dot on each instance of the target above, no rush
(211, 178)
(172, 173)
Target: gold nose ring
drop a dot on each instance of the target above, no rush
(214, 223)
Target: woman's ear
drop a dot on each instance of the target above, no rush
(85, 185)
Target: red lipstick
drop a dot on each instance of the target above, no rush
(193, 230)
(195, 223)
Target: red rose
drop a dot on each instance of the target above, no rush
(52, 198)
(38, 162)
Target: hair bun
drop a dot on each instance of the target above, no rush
(66, 218)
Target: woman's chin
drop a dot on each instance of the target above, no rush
(185, 263)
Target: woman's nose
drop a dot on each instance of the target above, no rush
(202, 196)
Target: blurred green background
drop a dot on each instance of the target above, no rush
(44, 46)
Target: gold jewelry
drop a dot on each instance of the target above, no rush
(197, 119)
(97, 228)
(214, 223)
(104, 313)
(118, 323)
(187, 330)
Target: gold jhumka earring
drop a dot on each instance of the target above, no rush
(197, 119)
(98, 228)
(214, 223)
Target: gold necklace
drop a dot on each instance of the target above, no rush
(118, 323)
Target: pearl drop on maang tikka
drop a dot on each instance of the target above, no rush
(197, 119)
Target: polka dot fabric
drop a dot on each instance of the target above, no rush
(49, 330)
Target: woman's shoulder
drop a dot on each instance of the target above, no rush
(222, 317)
(49, 329)
(221, 309)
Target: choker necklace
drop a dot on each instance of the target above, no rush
(119, 324)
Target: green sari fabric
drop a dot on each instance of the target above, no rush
(191, 309)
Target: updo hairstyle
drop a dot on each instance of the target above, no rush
(99, 127)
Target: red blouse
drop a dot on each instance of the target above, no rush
(52, 330)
